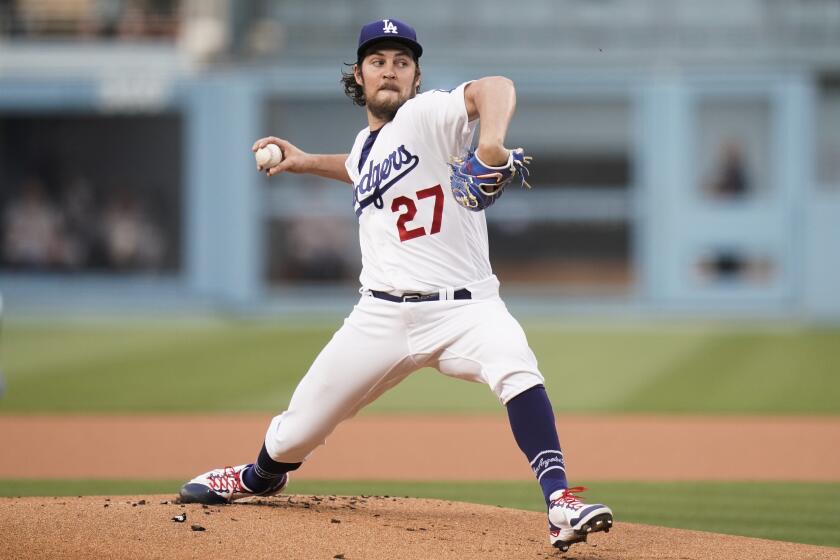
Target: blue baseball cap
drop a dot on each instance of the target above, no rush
(388, 30)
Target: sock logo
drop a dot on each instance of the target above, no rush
(547, 461)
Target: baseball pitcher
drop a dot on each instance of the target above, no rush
(429, 297)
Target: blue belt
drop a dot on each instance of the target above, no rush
(463, 293)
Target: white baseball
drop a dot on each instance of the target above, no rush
(269, 157)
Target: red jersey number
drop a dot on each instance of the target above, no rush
(409, 210)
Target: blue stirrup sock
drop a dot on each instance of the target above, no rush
(265, 472)
(532, 422)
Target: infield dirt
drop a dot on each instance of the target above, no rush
(641, 448)
(350, 528)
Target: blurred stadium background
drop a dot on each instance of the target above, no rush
(687, 155)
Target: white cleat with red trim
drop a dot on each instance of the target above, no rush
(223, 486)
(570, 520)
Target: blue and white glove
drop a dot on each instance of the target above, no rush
(476, 185)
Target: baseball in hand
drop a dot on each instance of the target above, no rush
(269, 156)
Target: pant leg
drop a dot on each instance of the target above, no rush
(367, 355)
(479, 341)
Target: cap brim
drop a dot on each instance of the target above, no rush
(413, 46)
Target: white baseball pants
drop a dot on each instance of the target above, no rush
(382, 342)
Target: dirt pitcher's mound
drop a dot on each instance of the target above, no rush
(307, 527)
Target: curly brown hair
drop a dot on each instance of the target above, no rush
(355, 92)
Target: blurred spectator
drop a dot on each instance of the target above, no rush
(732, 180)
(90, 18)
(132, 22)
(317, 248)
(9, 18)
(731, 266)
(132, 240)
(32, 236)
(80, 234)
(81, 220)
(105, 19)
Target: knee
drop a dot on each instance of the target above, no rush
(290, 441)
(516, 383)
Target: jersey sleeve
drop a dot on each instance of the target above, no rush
(441, 116)
(351, 164)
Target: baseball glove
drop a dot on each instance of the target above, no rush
(476, 186)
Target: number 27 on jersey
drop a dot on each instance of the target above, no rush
(408, 207)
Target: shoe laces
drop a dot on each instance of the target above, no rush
(568, 499)
(226, 481)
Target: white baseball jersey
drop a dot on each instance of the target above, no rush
(413, 234)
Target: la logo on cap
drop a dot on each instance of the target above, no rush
(389, 27)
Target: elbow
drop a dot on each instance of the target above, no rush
(498, 91)
(498, 82)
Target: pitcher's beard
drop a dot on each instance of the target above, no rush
(385, 110)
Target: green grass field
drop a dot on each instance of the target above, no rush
(253, 366)
(662, 368)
